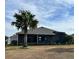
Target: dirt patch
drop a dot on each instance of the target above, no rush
(60, 50)
(40, 52)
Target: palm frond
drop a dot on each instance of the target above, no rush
(25, 19)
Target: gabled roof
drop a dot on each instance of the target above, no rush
(40, 30)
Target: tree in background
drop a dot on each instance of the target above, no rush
(6, 39)
(70, 39)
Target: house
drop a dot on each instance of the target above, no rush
(39, 35)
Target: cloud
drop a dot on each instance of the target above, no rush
(54, 14)
(9, 30)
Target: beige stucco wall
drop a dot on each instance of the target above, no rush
(14, 37)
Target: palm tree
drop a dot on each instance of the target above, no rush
(24, 20)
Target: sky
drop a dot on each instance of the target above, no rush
(53, 14)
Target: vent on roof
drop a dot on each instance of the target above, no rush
(41, 27)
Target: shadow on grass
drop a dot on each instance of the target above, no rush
(60, 50)
(16, 48)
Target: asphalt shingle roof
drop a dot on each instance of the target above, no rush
(41, 31)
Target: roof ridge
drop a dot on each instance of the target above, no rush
(46, 28)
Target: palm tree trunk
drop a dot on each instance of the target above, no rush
(25, 40)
